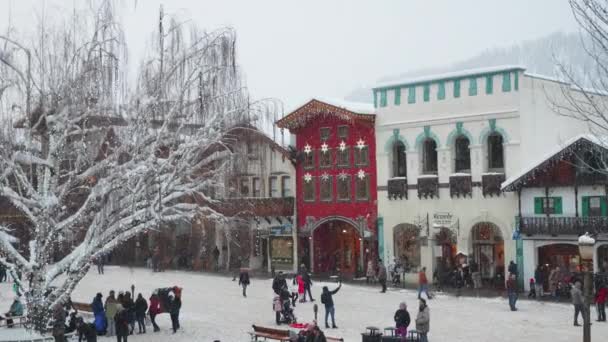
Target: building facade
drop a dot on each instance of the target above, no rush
(335, 185)
(445, 145)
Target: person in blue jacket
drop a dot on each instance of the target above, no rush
(99, 313)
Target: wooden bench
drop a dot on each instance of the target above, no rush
(79, 306)
(279, 334)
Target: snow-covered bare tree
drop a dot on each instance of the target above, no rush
(93, 164)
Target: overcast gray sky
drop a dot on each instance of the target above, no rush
(293, 50)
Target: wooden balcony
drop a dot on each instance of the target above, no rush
(563, 225)
(491, 184)
(461, 186)
(397, 188)
(428, 187)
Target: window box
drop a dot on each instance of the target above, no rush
(491, 184)
(397, 188)
(428, 186)
(461, 185)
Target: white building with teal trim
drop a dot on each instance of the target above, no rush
(445, 144)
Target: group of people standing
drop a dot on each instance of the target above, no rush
(423, 320)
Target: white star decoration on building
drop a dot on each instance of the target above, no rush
(342, 146)
(307, 177)
(343, 175)
(324, 148)
(307, 149)
(360, 144)
(325, 176)
(361, 174)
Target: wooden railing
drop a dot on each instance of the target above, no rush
(563, 225)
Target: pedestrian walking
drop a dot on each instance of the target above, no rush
(244, 280)
(99, 314)
(121, 320)
(129, 305)
(175, 305)
(423, 321)
(423, 284)
(402, 320)
(216, 258)
(554, 277)
(370, 272)
(99, 260)
(600, 302)
(307, 282)
(577, 301)
(512, 268)
(539, 281)
(153, 310)
(141, 306)
(293, 291)
(111, 308)
(382, 275)
(301, 288)
(532, 293)
(512, 291)
(328, 300)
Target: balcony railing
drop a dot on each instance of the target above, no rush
(397, 188)
(491, 184)
(260, 207)
(428, 187)
(461, 186)
(563, 225)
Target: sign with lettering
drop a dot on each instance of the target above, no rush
(443, 219)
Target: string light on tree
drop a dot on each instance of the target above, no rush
(342, 145)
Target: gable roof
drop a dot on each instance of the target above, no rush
(558, 153)
(348, 111)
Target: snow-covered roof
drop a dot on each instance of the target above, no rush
(511, 183)
(448, 76)
(312, 109)
(355, 107)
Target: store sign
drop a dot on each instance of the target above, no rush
(443, 219)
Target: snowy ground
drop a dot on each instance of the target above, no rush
(213, 308)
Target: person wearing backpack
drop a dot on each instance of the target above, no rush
(328, 301)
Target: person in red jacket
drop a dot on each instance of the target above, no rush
(423, 284)
(301, 287)
(154, 309)
(600, 301)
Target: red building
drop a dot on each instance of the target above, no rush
(336, 185)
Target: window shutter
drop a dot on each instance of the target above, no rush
(397, 96)
(604, 206)
(557, 205)
(427, 92)
(516, 80)
(472, 86)
(411, 95)
(441, 91)
(375, 99)
(383, 98)
(585, 203)
(538, 205)
(506, 81)
(456, 88)
(489, 85)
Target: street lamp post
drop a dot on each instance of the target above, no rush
(586, 245)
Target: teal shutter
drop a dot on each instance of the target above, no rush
(397, 96)
(516, 80)
(538, 205)
(441, 91)
(383, 98)
(506, 82)
(472, 86)
(456, 88)
(375, 99)
(489, 85)
(585, 203)
(604, 206)
(411, 94)
(427, 92)
(557, 205)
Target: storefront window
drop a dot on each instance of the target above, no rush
(407, 246)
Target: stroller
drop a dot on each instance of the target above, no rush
(283, 311)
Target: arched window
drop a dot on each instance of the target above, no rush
(429, 157)
(406, 238)
(399, 162)
(496, 161)
(462, 155)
